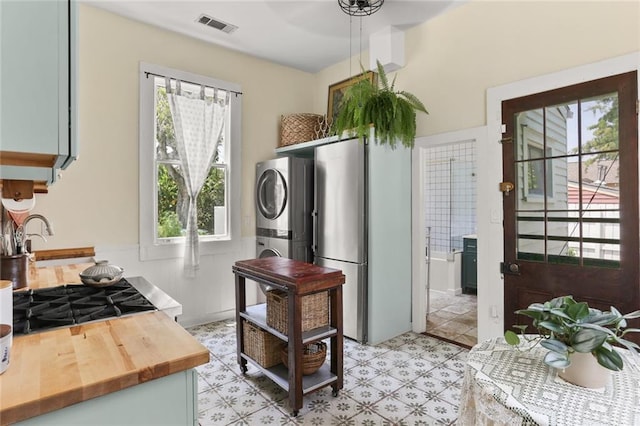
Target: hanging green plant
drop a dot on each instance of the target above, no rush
(392, 113)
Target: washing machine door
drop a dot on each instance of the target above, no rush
(269, 252)
(271, 194)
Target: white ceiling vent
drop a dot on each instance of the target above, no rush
(217, 24)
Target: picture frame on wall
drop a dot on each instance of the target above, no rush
(336, 92)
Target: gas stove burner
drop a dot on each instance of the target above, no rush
(45, 309)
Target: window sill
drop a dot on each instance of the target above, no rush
(175, 249)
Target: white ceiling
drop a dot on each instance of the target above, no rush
(305, 34)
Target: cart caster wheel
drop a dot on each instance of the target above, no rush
(243, 369)
(334, 392)
(295, 413)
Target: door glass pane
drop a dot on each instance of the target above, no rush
(599, 128)
(572, 164)
(600, 183)
(561, 127)
(521, 189)
(530, 229)
(528, 131)
(535, 177)
(563, 230)
(563, 251)
(532, 177)
(601, 232)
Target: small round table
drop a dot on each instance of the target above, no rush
(505, 386)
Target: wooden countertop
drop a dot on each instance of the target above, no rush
(52, 276)
(54, 369)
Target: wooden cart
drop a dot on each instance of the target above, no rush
(297, 279)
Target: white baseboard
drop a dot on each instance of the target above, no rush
(191, 320)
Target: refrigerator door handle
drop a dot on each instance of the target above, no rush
(314, 243)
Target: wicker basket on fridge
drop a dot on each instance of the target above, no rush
(315, 311)
(296, 128)
(261, 346)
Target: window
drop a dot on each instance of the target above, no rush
(163, 198)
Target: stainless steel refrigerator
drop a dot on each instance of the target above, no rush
(340, 228)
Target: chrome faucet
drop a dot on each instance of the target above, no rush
(23, 243)
(47, 225)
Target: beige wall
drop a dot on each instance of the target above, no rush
(452, 59)
(450, 62)
(96, 201)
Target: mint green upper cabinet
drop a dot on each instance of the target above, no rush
(38, 96)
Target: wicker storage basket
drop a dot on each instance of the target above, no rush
(261, 346)
(296, 128)
(313, 356)
(315, 311)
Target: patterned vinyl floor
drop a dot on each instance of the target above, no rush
(411, 379)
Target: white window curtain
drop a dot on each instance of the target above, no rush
(198, 121)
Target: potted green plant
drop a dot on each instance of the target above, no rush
(392, 113)
(568, 328)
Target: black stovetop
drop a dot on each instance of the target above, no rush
(48, 308)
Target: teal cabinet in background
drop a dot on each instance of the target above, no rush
(37, 88)
(389, 202)
(470, 266)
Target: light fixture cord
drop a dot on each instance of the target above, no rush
(350, 43)
(360, 57)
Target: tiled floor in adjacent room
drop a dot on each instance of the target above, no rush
(411, 379)
(454, 317)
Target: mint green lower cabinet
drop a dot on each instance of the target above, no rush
(170, 400)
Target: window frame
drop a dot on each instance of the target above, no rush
(151, 247)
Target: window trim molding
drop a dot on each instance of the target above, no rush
(150, 247)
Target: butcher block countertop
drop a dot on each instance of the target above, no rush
(57, 368)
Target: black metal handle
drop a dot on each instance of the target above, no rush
(314, 231)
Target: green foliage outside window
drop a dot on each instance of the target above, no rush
(169, 225)
(173, 200)
(606, 130)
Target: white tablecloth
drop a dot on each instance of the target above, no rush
(505, 386)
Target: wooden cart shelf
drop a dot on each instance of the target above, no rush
(257, 314)
(297, 279)
(280, 375)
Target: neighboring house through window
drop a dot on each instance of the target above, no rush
(163, 194)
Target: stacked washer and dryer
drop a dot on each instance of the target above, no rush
(284, 203)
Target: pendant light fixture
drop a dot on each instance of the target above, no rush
(360, 7)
